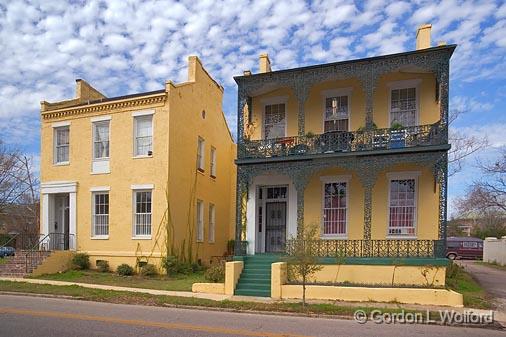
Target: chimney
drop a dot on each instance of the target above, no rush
(265, 63)
(423, 36)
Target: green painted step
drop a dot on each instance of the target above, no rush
(255, 279)
(254, 286)
(257, 293)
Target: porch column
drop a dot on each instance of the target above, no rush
(441, 177)
(300, 178)
(241, 192)
(73, 221)
(242, 100)
(301, 88)
(44, 229)
(368, 79)
(443, 80)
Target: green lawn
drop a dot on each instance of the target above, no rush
(459, 280)
(177, 283)
(3, 260)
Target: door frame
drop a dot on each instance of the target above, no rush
(260, 228)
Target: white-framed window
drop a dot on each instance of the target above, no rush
(200, 154)
(100, 213)
(402, 208)
(200, 221)
(143, 135)
(335, 207)
(61, 144)
(403, 102)
(275, 120)
(336, 114)
(101, 140)
(213, 162)
(212, 223)
(142, 213)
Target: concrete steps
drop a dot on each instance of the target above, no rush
(255, 279)
(23, 263)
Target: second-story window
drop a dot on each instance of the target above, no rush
(403, 106)
(61, 144)
(143, 145)
(336, 114)
(213, 162)
(200, 154)
(101, 140)
(274, 121)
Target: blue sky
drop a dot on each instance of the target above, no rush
(128, 46)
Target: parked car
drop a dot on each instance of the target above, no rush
(464, 248)
(7, 251)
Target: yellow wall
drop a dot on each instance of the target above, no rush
(177, 124)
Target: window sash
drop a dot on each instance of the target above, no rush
(213, 162)
(212, 222)
(101, 140)
(403, 107)
(143, 135)
(402, 207)
(62, 144)
(142, 213)
(274, 121)
(335, 208)
(100, 214)
(200, 153)
(200, 221)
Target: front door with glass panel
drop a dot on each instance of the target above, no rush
(275, 227)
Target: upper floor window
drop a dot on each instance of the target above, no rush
(402, 207)
(143, 135)
(274, 121)
(213, 162)
(200, 221)
(336, 114)
(101, 140)
(61, 144)
(142, 212)
(200, 154)
(335, 208)
(100, 214)
(403, 106)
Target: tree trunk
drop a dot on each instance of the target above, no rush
(304, 291)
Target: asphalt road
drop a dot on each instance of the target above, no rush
(36, 316)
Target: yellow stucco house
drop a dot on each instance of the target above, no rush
(357, 148)
(130, 179)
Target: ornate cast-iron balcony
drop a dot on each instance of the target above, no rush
(342, 142)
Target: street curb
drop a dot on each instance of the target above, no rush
(493, 326)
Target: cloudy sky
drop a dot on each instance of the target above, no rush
(128, 46)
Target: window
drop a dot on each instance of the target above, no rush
(200, 154)
(274, 121)
(336, 114)
(101, 140)
(143, 135)
(212, 222)
(334, 208)
(100, 214)
(213, 162)
(403, 106)
(200, 221)
(142, 213)
(402, 208)
(61, 150)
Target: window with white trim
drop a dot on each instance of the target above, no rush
(61, 144)
(335, 208)
(336, 114)
(200, 154)
(200, 221)
(213, 162)
(212, 222)
(142, 212)
(402, 208)
(100, 214)
(143, 136)
(403, 107)
(101, 140)
(274, 121)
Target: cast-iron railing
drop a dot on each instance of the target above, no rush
(22, 241)
(344, 141)
(370, 248)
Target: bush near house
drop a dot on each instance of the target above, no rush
(103, 266)
(81, 261)
(173, 266)
(125, 270)
(215, 273)
(149, 270)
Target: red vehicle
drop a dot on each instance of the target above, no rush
(464, 248)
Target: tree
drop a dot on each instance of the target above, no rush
(302, 262)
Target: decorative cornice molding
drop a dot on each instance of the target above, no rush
(104, 106)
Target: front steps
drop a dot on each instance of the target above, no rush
(23, 263)
(255, 279)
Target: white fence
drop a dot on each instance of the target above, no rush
(494, 250)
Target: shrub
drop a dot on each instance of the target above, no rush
(103, 266)
(173, 266)
(197, 267)
(149, 270)
(125, 270)
(81, 261)
(215, 273)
